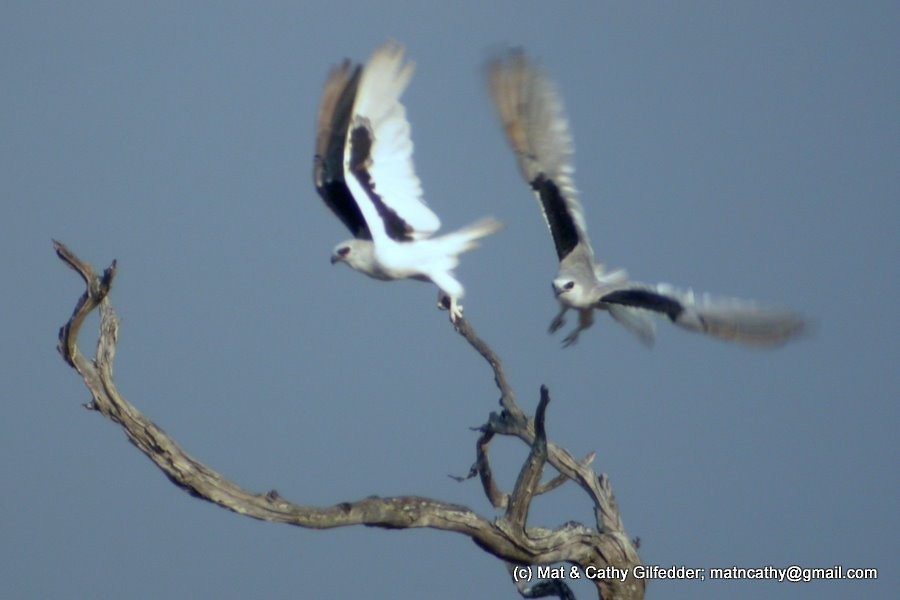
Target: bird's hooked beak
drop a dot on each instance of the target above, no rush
(559, 290)
(340, 254)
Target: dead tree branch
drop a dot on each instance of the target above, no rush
(508, 537)
(615, 548)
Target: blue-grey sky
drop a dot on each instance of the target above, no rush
(746, 149)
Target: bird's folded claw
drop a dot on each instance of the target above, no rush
(445, 302)
(556, 323)
(571, 339)
(456, 313)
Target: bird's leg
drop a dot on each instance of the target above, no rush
(585, 320)
(444, 301)
(559, 320)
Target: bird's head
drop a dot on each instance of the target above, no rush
(563, 285)
(570, 292)
(356, 254)
(341, 253)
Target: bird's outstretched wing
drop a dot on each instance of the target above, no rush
(536, 127)
(725, 318)
(378, 153)
(331, 134)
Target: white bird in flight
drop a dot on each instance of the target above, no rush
(535, 124)
(363, 170)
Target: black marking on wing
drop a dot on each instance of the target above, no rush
(328, 165)
(337, 196)
(647, 299)
(360, 159)
(562, 226)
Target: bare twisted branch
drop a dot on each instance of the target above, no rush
(613, 546)
(508, 537)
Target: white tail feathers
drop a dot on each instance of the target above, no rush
(465, 239)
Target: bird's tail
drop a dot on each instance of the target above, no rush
(465, 239)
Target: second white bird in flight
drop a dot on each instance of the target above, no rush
(536, 128)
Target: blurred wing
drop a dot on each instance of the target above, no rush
(725, 318)
(535, 124)
(638, 321)
(378, 152)
(331, 134)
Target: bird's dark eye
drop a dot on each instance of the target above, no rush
(569, 285)
(343, 251)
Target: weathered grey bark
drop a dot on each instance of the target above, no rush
(507, 537)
